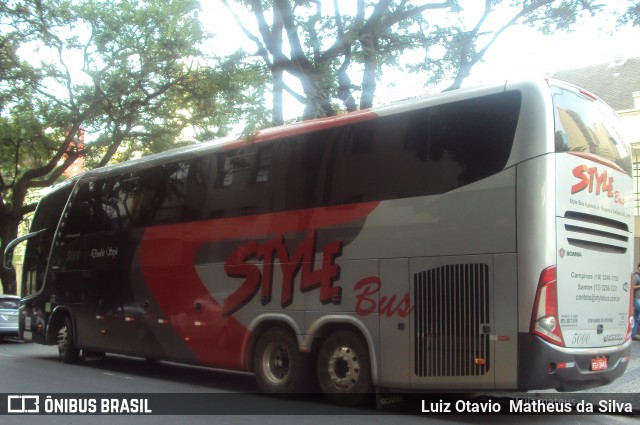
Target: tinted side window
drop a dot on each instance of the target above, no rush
(312, 167)
(423, 152)
(431, 150)
(148, 197)
(87, 211)
(157, 195)
(231, 183)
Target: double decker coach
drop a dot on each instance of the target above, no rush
(479, 239)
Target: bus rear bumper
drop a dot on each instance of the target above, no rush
(544, 366)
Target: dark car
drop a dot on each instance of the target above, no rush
(9, 315)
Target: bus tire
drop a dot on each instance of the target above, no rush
(344, 368)
(67, 350)
(279, 366)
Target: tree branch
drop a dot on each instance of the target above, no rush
(262, 49)
(467, 61)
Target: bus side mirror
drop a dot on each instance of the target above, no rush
(8, 260)
(8, 251)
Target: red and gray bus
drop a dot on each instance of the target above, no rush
(480, 239)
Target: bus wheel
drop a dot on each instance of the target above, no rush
(344, 368)
(66, 349)
(278, 364)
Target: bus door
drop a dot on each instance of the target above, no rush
(452, 322)
(36, 303)
(87, 272)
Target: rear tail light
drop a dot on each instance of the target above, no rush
(631, 318)
(544, 321)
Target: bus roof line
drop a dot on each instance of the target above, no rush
(294, 129)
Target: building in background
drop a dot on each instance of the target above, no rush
(618, 84)
(78, 166)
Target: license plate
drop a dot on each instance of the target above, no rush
(599, 363)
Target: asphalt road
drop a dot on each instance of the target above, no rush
(231, 398)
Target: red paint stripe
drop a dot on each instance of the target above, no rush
(303, 127)
(314, 125)
(168, 265)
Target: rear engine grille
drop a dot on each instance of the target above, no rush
(452, 321)
(596, 233)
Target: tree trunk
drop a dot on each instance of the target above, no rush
(369, 48)
(277, 112)
(8, 232)
(464, 70)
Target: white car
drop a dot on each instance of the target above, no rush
(9, 315)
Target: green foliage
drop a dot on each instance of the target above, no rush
(632, 14)
(129, 76)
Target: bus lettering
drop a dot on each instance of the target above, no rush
(588, 176)
(618, 199)
(367, 290)
(301, 261)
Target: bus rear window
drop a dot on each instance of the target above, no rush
(585, 125)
